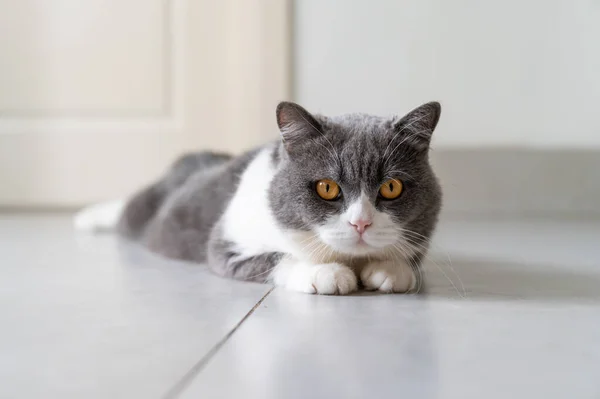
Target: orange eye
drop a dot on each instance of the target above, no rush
(391, 189)
(327, 189)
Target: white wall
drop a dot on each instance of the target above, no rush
(508, 73)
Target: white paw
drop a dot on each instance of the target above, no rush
(388, 276)
(334, 279)
(326, 279)
(98, 217)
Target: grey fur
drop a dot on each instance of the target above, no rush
(174, 216)
(227, 262)
(141, 208)
(359, 152)
(179, 215)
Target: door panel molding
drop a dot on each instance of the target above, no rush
(227, 65)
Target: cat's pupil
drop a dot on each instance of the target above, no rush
(391, 187)
(327, 188)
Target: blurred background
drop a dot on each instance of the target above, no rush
(98, 96)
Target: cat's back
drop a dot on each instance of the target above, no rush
(210, 187)
(182, 225)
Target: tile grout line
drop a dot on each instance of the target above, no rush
(185, 381)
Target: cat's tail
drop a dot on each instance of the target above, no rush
(127, 217)
(102, 217)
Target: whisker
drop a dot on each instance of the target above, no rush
(328, 150)
(316, 252)
(405, 139)
(396, 135)
(310, 246)
(403, 256)
(390, 174)
(322, 134)
(424, 254)
(428, 241)
(308, 239)
(261, 273)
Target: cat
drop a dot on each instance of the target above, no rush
(338, 202)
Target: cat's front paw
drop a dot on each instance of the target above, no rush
(334, 279)
(325, 279)
(388, 276)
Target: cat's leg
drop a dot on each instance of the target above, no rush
(390, 276)
(256, 268)
(326, 278)
(227, 260)
(140, 209)
(143, 206)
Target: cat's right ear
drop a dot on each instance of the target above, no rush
(418, 125)
(295, 124)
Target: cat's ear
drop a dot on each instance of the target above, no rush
(418, 125)
(295, 124)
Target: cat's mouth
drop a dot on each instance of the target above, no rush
(362, 243)
(350, 242)
(353, 246)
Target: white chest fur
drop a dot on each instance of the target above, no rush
(248, 220)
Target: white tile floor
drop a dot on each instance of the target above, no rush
(92, 317)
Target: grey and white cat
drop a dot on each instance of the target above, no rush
(337, 201)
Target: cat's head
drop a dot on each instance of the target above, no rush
(361, 184)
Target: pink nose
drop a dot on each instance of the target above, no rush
(361, 225)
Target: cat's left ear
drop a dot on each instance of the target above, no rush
(295, 124)
(418, 125)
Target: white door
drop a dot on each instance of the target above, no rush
(98, 96)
